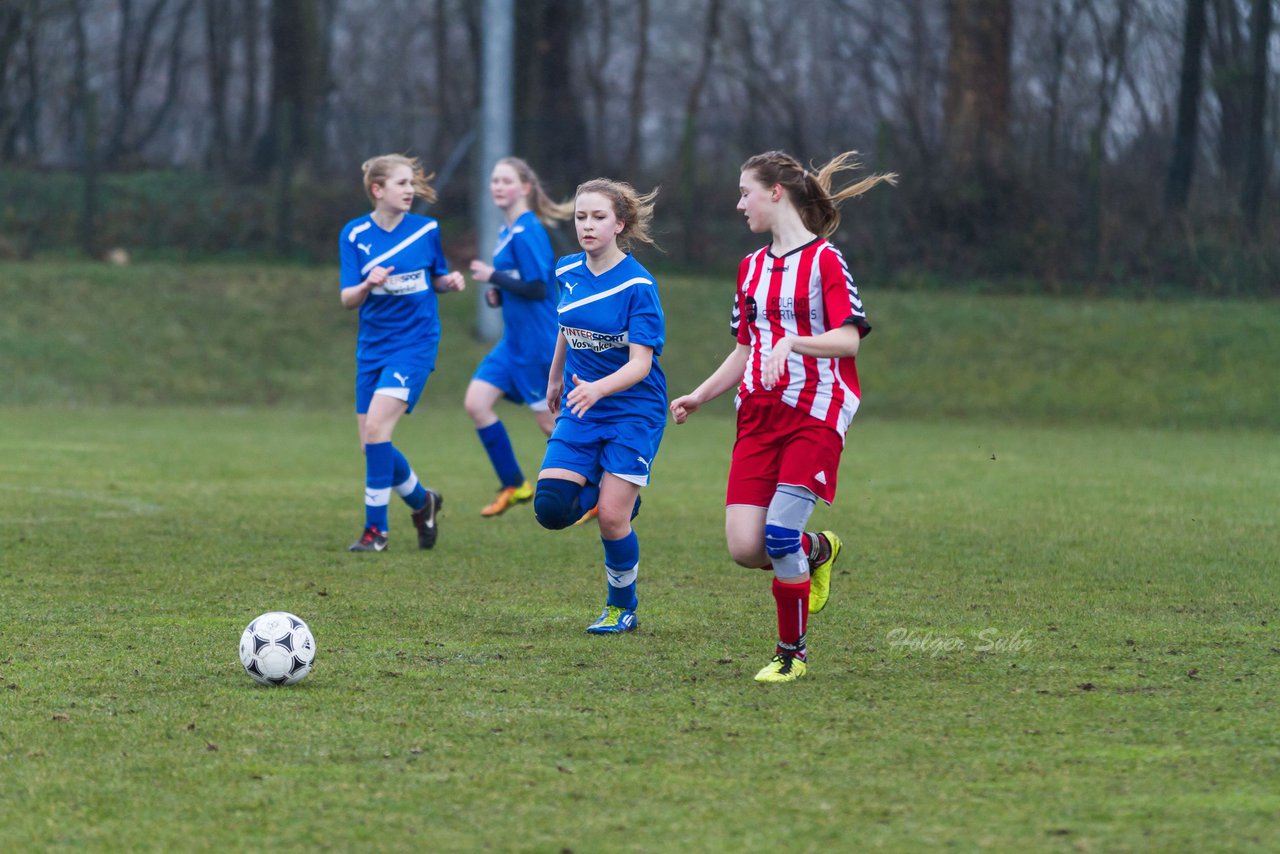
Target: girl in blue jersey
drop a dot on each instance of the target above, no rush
(521, 280)
(392, 266)
(606, 386)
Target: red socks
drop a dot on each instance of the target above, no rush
(793, 617)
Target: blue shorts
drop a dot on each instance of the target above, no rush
(401, 378)
(523, 384)
(622, 448)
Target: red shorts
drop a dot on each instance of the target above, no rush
(779, 444)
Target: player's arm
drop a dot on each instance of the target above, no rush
(725, 377)
(555, 378)
(535, 289)
(584, 395)
(354, 296)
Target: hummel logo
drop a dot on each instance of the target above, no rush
(366, 248)
(568, 287)
(646, 463)
(404, 381)
(821, 477)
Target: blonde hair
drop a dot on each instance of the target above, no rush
(378, 169)
(811, 192)
(635, 210)
(539, 202)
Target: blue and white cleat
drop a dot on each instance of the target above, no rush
(613, 620)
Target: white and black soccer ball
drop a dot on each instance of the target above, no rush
(277, 649)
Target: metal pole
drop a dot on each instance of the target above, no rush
(497, 104)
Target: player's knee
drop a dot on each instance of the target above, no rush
(555, 503)
(780, 541)
(783, 547)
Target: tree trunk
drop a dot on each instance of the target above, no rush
(218, 37)
(636, 112)
(549, 123)
(976, 101)
(295, 84)
(1255, 162)
(1177, 186)
(87, 110)
(11, 26)
(248, 135)
(1228, 54)
(688, 141)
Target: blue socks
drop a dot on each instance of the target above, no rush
(405, 481)
(386, 468)
(501, 454)
(379, 467)
(621, 565)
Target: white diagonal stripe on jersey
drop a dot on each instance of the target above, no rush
(567, 267)
(519, 229)
(356, 231)
(402, 244)
(603, 294)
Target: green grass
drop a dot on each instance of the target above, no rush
(1126, 568)
(457, 705)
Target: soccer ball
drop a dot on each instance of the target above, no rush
(277, 649)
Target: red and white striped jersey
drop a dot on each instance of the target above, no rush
(805, 292)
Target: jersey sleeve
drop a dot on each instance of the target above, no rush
(741, 318)
(645, 323)
(348, 261)
(534, 256)
(840, 298)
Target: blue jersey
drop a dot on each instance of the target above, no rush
(600, 317)
(401, 316)
(528, 325)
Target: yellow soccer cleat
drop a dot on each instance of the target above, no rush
(588, 516)
(820, 577)
(508, 497)
(782, 668)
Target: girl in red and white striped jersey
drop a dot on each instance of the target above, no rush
(798, 321)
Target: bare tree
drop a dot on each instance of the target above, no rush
(688, 161)
(1177, 186)
(976, 104)
(636, 108)
(138, 49)
(1229, 57)
(1255, 162)
(550, 126)
(87, 113)
(1112, 39)
(296, 82)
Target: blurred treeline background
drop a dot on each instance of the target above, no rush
(1043, 145)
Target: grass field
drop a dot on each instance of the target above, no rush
(1055, 628)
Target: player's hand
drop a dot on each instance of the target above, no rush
(451, 282)
(481, 271)
(582, 396)
(555, 388)
(775, 367)
(378, 276)
(493, 297)
(683, 407)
